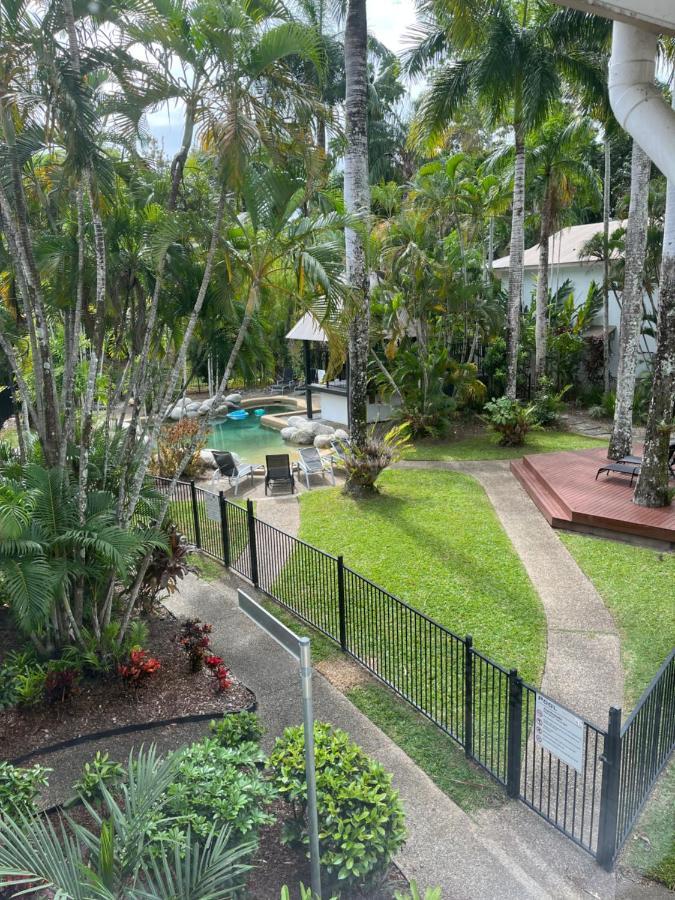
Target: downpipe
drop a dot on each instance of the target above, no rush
(638, 104)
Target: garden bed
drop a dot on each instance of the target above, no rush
(101, 705)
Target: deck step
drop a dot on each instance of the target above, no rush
(548, 503)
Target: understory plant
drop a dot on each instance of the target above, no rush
(167, 566)
(139, 668)
(510, 419)
(361, 819)
(365, 464)
(195, 641)
(237, 728)
(19, 787)
(547, 402)
(101, 771)
(174, 442)
(113, 855)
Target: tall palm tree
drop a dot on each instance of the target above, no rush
(508, 60)
(357, 203)
(652, 486)
(560, 167)
(631, 304)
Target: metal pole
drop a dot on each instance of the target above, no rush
(468, 695)
(195, 515)
(306, 346)
(310, 771)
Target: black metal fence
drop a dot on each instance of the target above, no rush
(488, 710)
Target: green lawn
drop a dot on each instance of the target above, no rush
(638, 587)
(486, 446)
(433, 539)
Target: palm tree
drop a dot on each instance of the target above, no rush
(631, 304)
(506, 59)
(559, 164)
(357, 203)
(652, 487)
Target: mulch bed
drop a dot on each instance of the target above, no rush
(276, 865)
(104, 704)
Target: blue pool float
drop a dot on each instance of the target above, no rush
(259, 412)
(238, 414)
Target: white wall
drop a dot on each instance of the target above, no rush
(581, 275)
(334, 409)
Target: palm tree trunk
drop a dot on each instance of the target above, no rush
(606, 199)
(516, 253)
(357, 202)
(542, 288)
(631, 308)
(652, 486)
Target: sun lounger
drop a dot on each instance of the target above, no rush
(233, 469)
(279, 470)
(311, 462)
(619, 468)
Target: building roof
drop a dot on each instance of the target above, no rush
(564, 247)
(307, 329)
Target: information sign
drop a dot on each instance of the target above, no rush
(212, 503)
(560, 732)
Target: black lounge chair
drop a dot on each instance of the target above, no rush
(279, 469)
(228, 467)
(637, 460)
(618, 468)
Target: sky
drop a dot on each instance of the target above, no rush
(388, 20)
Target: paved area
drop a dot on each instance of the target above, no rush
(515, 856)
(583, 660)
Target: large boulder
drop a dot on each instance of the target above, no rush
(192, 412)
(320, 429)
(288, 433)
(302, 437)
(207, 405)
(233, 398)
(206, 459)
(341, 435)
(322, 441)
(297, 421)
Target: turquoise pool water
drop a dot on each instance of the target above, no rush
(247, 437)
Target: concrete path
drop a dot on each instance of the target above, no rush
(467, 857)
(583, 660)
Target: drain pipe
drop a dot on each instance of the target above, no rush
(638, 105)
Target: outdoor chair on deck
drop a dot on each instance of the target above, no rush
(620, 468)
(233, 470)
(637, 460)
(311, 462)
(279, 470)
(285, 381)
(339, 451)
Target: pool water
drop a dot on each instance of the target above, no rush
(247, 437)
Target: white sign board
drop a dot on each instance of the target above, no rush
(212, 503)
(560, 732)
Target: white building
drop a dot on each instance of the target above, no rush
(568, 262)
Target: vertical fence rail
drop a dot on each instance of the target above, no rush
(485, 708)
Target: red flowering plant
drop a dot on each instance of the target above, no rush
(139, 669)
(195, 641)
(60, 684)
(220, 672)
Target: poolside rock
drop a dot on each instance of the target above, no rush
(288, 432)
(302, 437)
(341, 435)
(206, 459)
(322, 441)
(233, 398)
(297, 421)
(207, 405)
(322, 430)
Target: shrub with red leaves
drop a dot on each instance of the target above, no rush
(195, 641)
(140, 667)
(220, 672)
(60, 684)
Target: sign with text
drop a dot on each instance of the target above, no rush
(560, 732)
(212, 503)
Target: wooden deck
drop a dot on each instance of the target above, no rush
(564, 488)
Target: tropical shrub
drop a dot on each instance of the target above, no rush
(195, 642)
(215, 787)
(167, 566)
(421, 381)
(104, 654)
(547, 402)
(364, 465)
(237, 728)
(30, 685)
(510, 419)
(139, 668)
(15, 665)
(113, 856)
(101, 771)
(174, 442)
(220, 672)
(60, 683)
(360, 815)
(19, 787)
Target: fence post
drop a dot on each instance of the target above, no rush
(468, 695)
(609, 792)
(342, 612)
(513, 759)
(195, 515)
(253, 550)
(224, 529)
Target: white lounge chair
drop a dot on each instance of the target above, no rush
(311, 462)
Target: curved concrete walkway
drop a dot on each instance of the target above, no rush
(583, 659)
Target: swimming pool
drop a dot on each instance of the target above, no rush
(247, 437)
